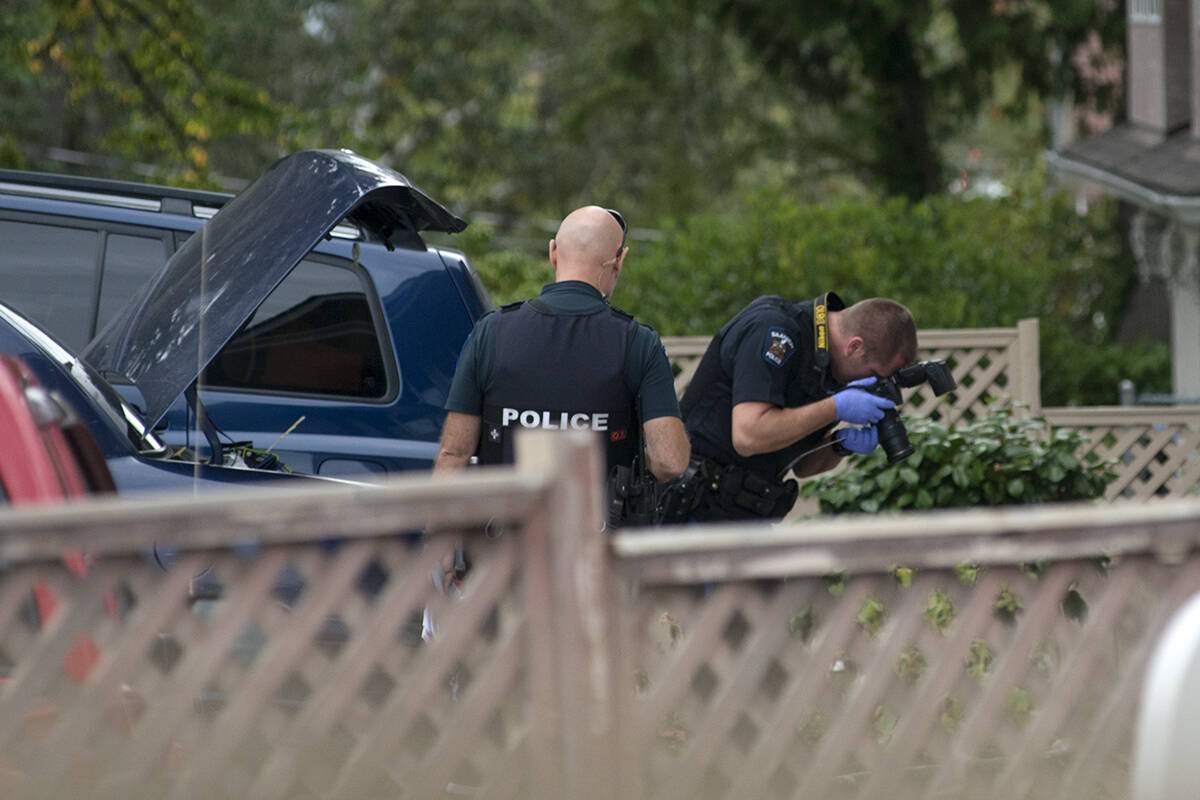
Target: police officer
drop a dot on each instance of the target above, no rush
(768, 392)
(567, 360)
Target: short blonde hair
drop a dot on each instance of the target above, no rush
(886, 327)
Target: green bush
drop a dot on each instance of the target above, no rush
(956, 263)
(1002, 459)
(508, 274)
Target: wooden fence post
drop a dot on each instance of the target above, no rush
(575, 627)
(1027, 369)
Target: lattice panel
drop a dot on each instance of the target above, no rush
(295, 672)
(1016, 684)
(982, 375)
(1151, 460)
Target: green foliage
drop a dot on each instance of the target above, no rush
(998, 460)
(1007, 605)
(132, 78)
(803, 622)
(979, 659)
(884, 721)
(533, 108)
(1035, 569)
(1019, 707)
(508, 274)
(910, 665)
(871, 615)
(953, 711)
(896, 79)
(835, 584)
(903, 576)
(939, 611)
(968, 573)
(1086, 370)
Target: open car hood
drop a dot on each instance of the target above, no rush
(169, 332)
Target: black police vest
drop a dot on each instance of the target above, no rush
(559, 372)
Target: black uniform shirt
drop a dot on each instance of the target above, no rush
(765, 354)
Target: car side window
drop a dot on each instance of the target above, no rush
(315, 334)
(129, 262)
(48, 272)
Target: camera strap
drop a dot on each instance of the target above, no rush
(821, 332)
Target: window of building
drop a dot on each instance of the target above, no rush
(1145, 11)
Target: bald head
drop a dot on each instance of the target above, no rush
(586, 248)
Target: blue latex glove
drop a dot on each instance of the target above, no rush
(859, 440)
(858, 406)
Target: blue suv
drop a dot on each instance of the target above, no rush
(304, 319)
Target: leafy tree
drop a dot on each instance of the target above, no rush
(898, 79)
(449, 98)
(20, 84)
(129, 78)
(532, 109)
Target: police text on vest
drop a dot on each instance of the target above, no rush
(554, 420)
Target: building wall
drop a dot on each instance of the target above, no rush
(1160, 63)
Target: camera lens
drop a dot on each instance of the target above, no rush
(893, 438)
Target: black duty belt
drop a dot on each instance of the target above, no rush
(728, 490)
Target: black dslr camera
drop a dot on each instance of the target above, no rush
(893, 438)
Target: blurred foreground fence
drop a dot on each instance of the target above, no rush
(1156, 450)
(269, 645)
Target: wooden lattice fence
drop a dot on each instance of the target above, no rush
(805, 667)
(280, 655)
(1154, 450)
(269, 645)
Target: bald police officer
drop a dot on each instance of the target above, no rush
(567, 360)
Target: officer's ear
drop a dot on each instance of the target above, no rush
(855, 347)
(554, 255)
(620, 261)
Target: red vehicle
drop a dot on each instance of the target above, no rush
(46, 454)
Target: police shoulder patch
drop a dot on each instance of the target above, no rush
(778, 347)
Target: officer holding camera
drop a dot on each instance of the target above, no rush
(768, 392)
(566, 360)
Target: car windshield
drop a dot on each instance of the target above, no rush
(115, 411)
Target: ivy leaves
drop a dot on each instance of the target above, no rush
(1002, 459)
